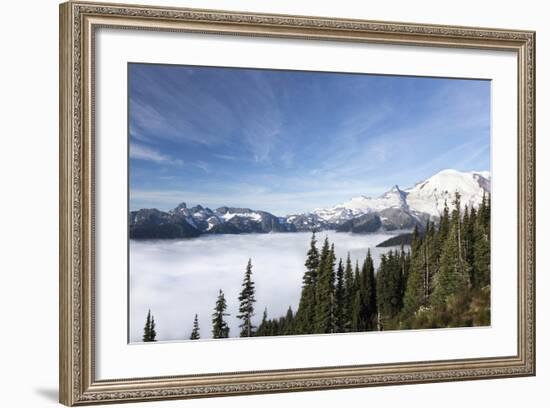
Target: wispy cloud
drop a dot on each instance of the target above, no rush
(254, 196)
(141, 152)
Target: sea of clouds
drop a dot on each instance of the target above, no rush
(178, 278)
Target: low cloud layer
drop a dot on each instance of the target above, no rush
(178, 278)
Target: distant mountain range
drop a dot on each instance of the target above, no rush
(394, 210)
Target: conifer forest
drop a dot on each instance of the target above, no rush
(441, 280)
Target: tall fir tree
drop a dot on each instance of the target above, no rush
(370, 307)
(195, 333)
(149, 332)
(468, 240)
(453, 277)
(481, 275)
(389, 289)
(288, 323)
(414, 291)
(357, 321)
(444, 223)
(247, 300)
(383, 294)
(305, 315)
(349, 295)
(220, 329)
(262, 328)
(324, 295)
(356, 316)
(339, 299)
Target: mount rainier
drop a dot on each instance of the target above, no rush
(394, 210)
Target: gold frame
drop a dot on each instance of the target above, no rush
(78, 21)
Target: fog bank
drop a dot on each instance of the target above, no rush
(178, 278)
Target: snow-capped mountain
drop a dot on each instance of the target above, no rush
(394, 198)
(184, 222)
(429, 196)
(394, 210)
(399, 209)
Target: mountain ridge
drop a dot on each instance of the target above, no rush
(396, 209)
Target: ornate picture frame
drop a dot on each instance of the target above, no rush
(79, 22)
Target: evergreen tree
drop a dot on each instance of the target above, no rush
(149, 332)
(444, 223)
(263, 327)
(339, 299)
(305, 316)
(195, 333)
(288, 322)
(452, 278)
(468, 241)
(357, 301)
(247, 299)
(220, 329)
(349, 295)
(324, 295)
(153, 332)
(433, 255)
(481, 270)
(414, 291)
(383, 296)
(396, 282)
(275, 328)
(370, 307)
(389, 289)
(356, 317)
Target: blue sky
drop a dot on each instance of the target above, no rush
(291, 141)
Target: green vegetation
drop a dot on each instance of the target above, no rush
(220, 329)
(442, 281)
(195, 333)
(149, 333)
(247, 299)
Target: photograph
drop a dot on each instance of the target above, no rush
(270, 202)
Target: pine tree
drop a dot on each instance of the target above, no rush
(349, 295)
(370, 307)
(195, 333)
(396, 283)
(356, 317)
(288, 325)
(149, 332)
(153, 333)
(339, 299)
(382, 291)
(481, 268)
(429, 262)
(247, 299)
(414, 291)
(220, 329)
(389, 289)
(453, 276)
(305, 316)
(433, 255)
(444, 224)
(468, 241)
(357, 322)
(324, 295)
(263, 327)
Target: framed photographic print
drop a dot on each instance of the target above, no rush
(256, 203)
